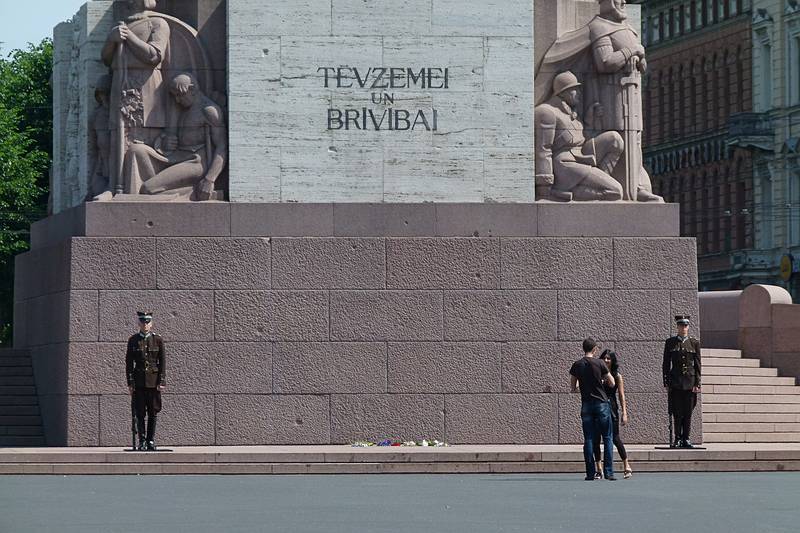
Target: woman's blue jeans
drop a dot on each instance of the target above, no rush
(596, 419)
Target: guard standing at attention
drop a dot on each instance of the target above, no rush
(681, 370)
(145, 364)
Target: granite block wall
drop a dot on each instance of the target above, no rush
(331, 339)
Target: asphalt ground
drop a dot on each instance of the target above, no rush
(703, 502)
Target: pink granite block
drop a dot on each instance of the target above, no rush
(178, 315)
(648, 263)
(264, 419)
(219, 367)
(384, 220)
(539, 367)
(327, 263)
(113, 263)
(42, 271)
(500, 315)
(330, 367)
(446, 263)
(619, 315)
(450, 367)
(97, 368)
(282, 220)
(82, 420)
(501, 418)
(640, 365)
(564, 263)
(47, 319)
(213, 263)
(386, 416)
(83, 317)
(182, 219)
(271, 315)
(185, 419)
(486, 220)
(386, 315)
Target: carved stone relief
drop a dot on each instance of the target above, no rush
(588, 117)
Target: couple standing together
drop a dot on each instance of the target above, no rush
(600, 384)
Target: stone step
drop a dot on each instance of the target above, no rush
(721, 352)
(15, 361)
(724, 361)
(748, 380)
(21, 431)
(11, 352)
(16, 370)
(737, 371)
(17, 381)
(19, 400)
(751, 398)
(777, 390)
(751, 427)
(20, 410)
(21, 420)
(750, 437)
(17, 440)
(24, 390)
(762, 407)
(749, 417)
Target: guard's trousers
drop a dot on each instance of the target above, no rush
(682, 403)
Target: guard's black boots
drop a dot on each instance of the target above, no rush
(151, 431)
(140, 430)
(687, 444)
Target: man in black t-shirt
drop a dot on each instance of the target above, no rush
(590, 374)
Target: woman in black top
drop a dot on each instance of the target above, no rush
(610, 359)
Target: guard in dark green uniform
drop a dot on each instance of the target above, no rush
(681, 371)
(145, 365)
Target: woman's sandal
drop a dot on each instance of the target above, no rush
(628, 474)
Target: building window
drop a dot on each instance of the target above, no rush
(721, 9)
(710, 11)
(733, 8)
(793, 69)
(699, 15)
(687, 18)
(655, 34)
(766, 76)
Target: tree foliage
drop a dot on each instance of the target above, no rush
(25, 153)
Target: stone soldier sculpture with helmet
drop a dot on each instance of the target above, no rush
(681, 371)
(145, 369)
(569, 167)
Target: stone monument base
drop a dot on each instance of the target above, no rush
(331, 323)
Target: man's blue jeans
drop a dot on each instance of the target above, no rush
(596, 419)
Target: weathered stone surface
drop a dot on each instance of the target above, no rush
(97, 368)
(185, 419)
(113, 263)
(569, 419)
(59, 227)
(282, 220)
(386, 416)
(304, 17)
(380, 16)
(386, 315)
(42, 271)
(213, 263)
(619, 315)
(82, 420)
(83, 316)
(50, 368)
(499, 315)
(443, 263)
(271, 315)
(546, 263)
(501, 418)
(182, 219)
(539, 367)
(324, 368)
(178, 315)
(47, 319)
(590, 219)
(640, 365)
(379, 220)
(655, 263)
(428, 367)
(486, 220)
(219, 367)
(499, 18)
(255, 419)
(329, 263)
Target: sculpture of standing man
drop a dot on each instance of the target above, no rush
(609, 57)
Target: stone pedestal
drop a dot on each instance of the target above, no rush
(330, 323)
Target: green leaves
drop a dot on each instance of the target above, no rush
(26, 126)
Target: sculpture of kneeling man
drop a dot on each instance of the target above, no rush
(192, 159)
(569, 167)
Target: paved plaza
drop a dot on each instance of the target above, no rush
(436, 503)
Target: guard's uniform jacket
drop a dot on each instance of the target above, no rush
(145, 361)
(681, 367)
